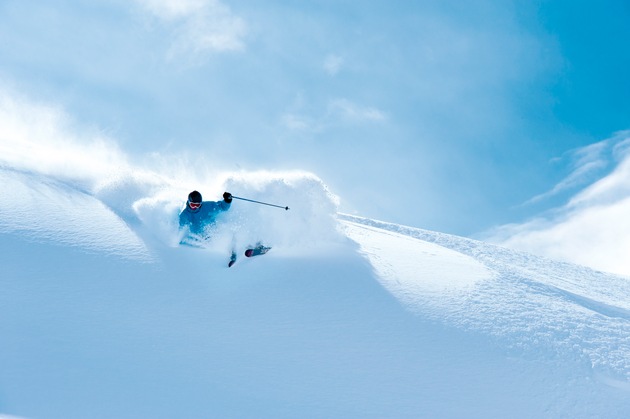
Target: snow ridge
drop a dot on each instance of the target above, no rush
(535, 304)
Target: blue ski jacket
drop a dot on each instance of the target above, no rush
(198, 219)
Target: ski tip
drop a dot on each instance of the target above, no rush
(232, 259)
(256, 251)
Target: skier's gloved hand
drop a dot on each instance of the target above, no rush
(227, 197)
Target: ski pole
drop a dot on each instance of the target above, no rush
(262, 203)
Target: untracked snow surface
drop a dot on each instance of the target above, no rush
(104, 315)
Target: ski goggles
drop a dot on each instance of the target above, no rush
(194, 205)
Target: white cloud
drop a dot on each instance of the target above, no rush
(586, 163)
(617, 184)
(593, 228)
(337, 112)
(349, 110)
(199, 25)
(333, 64)
(173, 9)
(296, 122)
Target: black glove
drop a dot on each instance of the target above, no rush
(227, 197)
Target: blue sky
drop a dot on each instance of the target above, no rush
(445, 115)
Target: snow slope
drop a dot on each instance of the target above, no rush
(104, 315)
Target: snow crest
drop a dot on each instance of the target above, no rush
(45, 210)
(395, 257)
(535, 305)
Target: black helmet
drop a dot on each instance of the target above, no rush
(194, 197)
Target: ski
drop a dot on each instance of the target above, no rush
(251, 252)
(232, 259)
(258, 250)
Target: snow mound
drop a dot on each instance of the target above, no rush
(46, 210)
(534, 305)
(395, 256)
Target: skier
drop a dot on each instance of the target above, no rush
(199, 214)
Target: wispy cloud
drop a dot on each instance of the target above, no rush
(614, 186)
(346, 109)
(586, 163)
(199, 25)
(338, 111)
(593, 228)
(296, 122)
(173, 9)
(333, 64)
